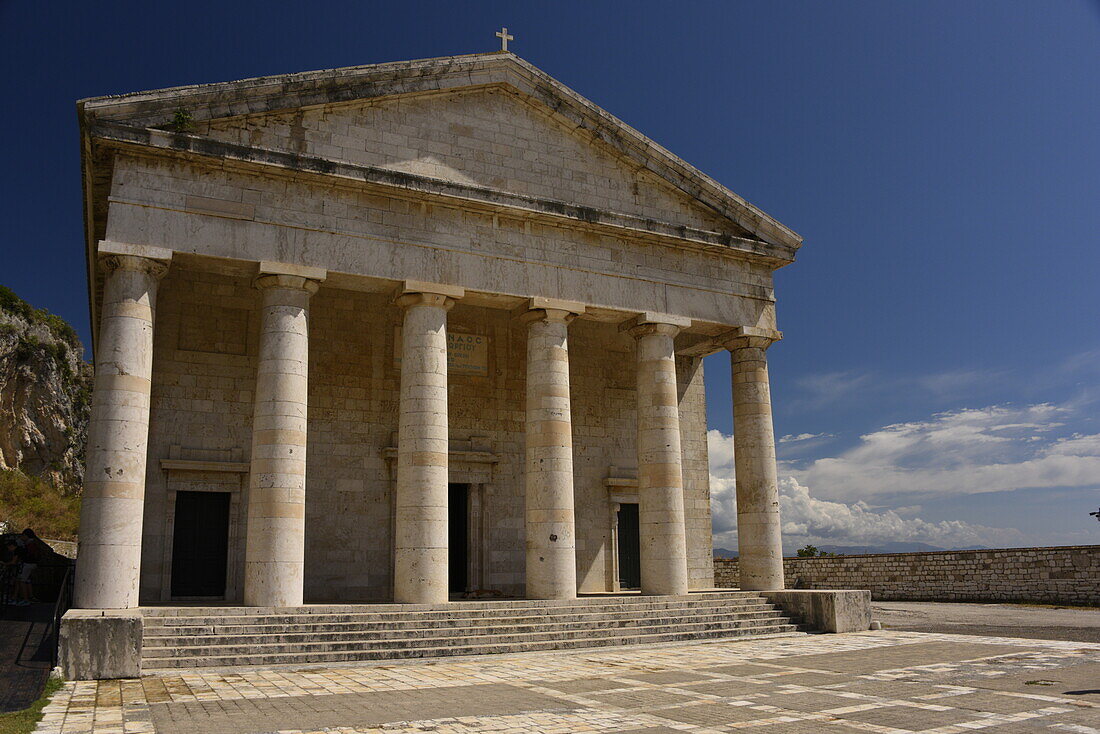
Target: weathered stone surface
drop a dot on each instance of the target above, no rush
(501, 192)
(423, 449)
(275, 546)
(759, 531)
(844, 610)
(100, 643)
(1058, 575)
(660, 473)
(118, 433)
(128, 117)
(550, 526)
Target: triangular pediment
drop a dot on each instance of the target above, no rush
(487, 122)
(488, 137)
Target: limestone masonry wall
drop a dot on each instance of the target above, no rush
(1058, 575)
(205, 350)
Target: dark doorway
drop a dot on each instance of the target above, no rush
(200, 544)
(458, 540)
(630, 548)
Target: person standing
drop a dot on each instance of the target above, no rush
(31, 557)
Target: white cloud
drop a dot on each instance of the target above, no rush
(807, 519)
(820, 520)
(993, 449)
(792, 438)
(963, 452)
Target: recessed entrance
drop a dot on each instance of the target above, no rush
(630, 549)
(458, 521)
(200, 544)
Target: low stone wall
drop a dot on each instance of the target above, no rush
(65, 548)
(1058, 575)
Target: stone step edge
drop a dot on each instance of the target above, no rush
(210, 641)
(188, 620)
(311, 620)
(544, 626)
(471, 604)
(245, 648)
(430, 652)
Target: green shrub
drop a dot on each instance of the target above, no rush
(60, 328)
(33, 502)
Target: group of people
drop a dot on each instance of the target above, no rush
(21, 555)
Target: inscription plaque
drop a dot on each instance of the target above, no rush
(467, 353)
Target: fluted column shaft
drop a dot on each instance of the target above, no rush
(275, 540)
(113, 501)
(759, 530)
(420, 545)
(550, 528)
(660, 475)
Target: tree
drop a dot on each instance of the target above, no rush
(812, 551)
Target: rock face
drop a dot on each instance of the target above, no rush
(45, 387)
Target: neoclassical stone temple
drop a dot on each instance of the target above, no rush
(405, 331)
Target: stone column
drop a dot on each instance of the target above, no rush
(420, 542)
(759, 537)
(613, 523)
(660, 476)
(113, 502)
(550, 528)
(275, 538)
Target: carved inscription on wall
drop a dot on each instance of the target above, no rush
(467, 353)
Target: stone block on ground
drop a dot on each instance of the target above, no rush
(100, 643)
(832, 610)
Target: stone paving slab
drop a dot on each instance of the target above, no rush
(905, 656)
(253, 716)
(907, 682)
(25, 660)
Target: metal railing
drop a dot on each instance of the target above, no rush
(62, 605)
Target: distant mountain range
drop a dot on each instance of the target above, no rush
(858, 550)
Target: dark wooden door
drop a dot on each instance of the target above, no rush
(200, 544)
(458, 522)
(630, 548)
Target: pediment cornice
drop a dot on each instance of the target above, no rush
(121, 118)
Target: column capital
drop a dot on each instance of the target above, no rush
(293, 282)
(649, 322)
(288, 275)
(417, 292)
(748, 336)
(550, 310)
(139, 258)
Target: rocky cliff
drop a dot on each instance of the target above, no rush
(45, 387)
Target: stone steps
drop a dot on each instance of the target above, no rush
(356, 634)
(168, 636)
(490, 607)
(398, 620)
(489, 637)
(194, 637)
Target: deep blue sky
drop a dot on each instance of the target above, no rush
(941, 159)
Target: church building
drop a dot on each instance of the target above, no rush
(412, 332)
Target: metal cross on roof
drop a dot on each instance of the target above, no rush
(502, 34)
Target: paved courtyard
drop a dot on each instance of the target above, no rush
(888, 682)
(1081, 624)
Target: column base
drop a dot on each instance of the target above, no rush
(95, 644)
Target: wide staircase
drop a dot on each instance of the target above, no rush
(200, 637)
